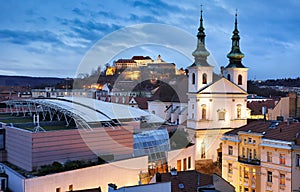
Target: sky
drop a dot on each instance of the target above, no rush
(63, 38)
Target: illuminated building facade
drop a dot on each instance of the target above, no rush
(262, 156)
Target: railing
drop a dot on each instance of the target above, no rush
(249, 161)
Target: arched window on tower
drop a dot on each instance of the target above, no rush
(204, 78)
(229, 77)
(203, 109)
(239, 111)
(240, 80)
(193, 79)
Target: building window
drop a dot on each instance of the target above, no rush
(298, 160)
(193, 78)
(249, 153)
(240, 80)
(70, 187)
(203, 107)
(204, 78)
(184, 164)
(239, 111)
(282, 159)
(254, 154)
(243, 152)
(246, 172)
(269, 156)
(269, 178)
(230, 150)
(189, 162)
(282, 179)
(58, 189)
(203, 155)
(221, 115)
(178, 165)
(230, 170)
(193, 116)
(228, 77)
(246, 189)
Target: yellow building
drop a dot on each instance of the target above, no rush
(262, 156)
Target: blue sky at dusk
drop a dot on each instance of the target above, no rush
(52, 38)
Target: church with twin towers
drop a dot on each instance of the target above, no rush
(216, 103)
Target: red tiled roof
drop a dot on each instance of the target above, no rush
(191, 180)
(125, 61)
(142, 102)
(283, 131)
(256, 106)
(140, 58)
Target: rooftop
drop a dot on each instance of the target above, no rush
(272, 130)
(187, 180)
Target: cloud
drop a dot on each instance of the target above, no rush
(25, 37)
(78, 12)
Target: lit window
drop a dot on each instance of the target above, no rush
(203, 155)
(240, 80)
(282, 159)
(203, 107)
(230, 150)
(269, 156)
(269, 179)
(204, 78)
(193, 78)
(178, 165)
(239, 111)
(230, 170)
(282, 179)
(246, 172)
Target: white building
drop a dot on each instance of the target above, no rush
(215, 104)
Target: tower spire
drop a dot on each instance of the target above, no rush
(201, 53)
(201, 34)
(235, 55)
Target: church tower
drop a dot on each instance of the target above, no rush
(200, 72)
(215, 104)
(235, 71)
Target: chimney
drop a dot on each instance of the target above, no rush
(112, 187)
(173, 172)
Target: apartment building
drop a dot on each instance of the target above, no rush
(262, 156)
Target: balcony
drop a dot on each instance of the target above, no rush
(249, 161)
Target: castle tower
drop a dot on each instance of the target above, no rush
(235, 71)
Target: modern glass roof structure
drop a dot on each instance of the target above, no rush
(154, 143)
(84, 111)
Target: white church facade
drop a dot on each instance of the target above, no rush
(216, 104)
